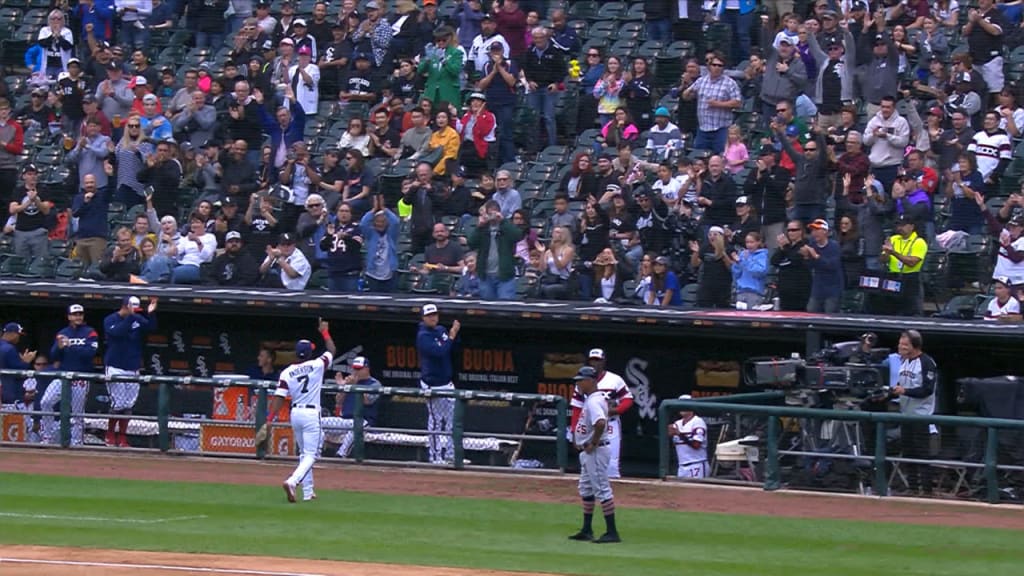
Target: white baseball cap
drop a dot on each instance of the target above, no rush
(233, 235)
(132, 302)
(360, 362)
(596, 353)
(429, 309)
(686, 397)
(76, 309)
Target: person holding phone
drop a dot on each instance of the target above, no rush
(886, 137)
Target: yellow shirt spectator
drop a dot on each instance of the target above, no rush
(906, 252)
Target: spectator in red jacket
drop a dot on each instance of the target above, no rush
(511, 23)
(12, 143)
(476, 129)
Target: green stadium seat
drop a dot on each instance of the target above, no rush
(41, 267)
(11, 265)
(611, 10)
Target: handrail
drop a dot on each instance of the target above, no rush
(879, 419)
(263, 389)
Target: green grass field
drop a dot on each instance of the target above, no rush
(491, 534)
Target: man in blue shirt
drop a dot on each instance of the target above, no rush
(15, 395)
(73, 350)
(13, 391)
(435, 345)
(360, 376)
(823, 258)
(125, 332)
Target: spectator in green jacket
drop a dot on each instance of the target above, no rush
(494, 239)
(442, 66)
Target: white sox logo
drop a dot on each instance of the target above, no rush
(178, 341)
(201, 366)
(81, 342)
(643, 397)
(225, 344)
(156, 365)
(282, 447)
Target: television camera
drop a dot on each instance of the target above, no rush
(844, 375)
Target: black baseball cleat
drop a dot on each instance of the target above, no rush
(608, 538)
(582, 536)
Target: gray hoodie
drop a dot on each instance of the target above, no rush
(199, 126)
(119, 103)
(778, 86)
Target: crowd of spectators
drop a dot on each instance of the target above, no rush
(807, 156)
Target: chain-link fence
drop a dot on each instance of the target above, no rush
(853, 447)
(220, 415)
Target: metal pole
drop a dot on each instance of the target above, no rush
(881, 478)
(163, 412)
(561, 441)
(65, 412)
(771, 473)
(991, 459)
(261, 418)
(359, 446)
(457, 428)
(813, 343)
(663, 441)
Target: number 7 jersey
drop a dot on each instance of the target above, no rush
(303, 381)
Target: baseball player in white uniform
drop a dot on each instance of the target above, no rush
(620, 399)
(590, 436)
(689, 434)
(302, 382)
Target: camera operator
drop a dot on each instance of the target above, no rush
(915, 389)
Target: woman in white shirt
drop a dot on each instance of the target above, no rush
(356, 138)
(947, 12)
(57, 43)
(1011, 115)
(197, 248)
(558, 265)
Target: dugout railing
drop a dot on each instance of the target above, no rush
(755, 439)
(489, 429)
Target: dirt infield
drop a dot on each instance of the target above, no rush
(36, 560)
(335, 475)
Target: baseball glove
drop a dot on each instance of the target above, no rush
(262, 436)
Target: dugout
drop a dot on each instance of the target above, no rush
(525, 347)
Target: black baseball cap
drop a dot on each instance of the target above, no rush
(286, 238)
(586, 372)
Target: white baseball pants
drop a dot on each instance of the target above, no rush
(440, 414)
(594, 473)
(123, 395)
(49, 430)
(693, 470)
(614, 436)
(308, 436)
(347, 424)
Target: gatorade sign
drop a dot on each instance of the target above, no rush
(282, 442)
(13, 428)
(227, 439)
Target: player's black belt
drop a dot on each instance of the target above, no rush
(313, 406)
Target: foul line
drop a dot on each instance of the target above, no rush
(99, 519)
(154, 567)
